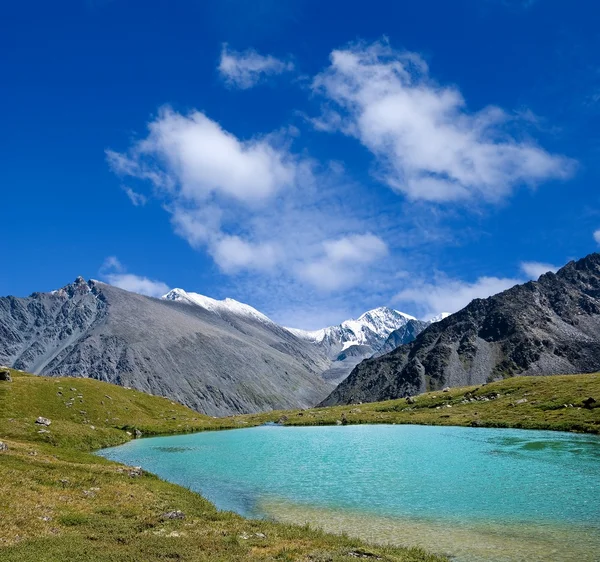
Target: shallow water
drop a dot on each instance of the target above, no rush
(472, 493)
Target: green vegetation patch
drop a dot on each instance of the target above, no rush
(59, 502)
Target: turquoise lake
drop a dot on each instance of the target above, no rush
(474, 494)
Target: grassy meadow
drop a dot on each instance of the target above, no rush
(60, 502)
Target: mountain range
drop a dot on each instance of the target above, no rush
(224, 357)
(217, 356)
(348, 343)
(544, 327)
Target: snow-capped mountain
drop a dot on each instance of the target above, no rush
(227, 306)
(371, 328)
(439, 317)
(348, 343)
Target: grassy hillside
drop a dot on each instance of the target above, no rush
(59, 502)
(554, 403)
(64, 503)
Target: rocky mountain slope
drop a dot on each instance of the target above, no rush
(549, 326)
(216, 358)
(404, 334)
(348, 343)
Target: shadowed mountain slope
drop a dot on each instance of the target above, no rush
(549, 326)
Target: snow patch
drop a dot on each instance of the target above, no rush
(217, 306)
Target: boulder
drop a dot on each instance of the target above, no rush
(5, 375)
(410, 400)
(587, 403)
(175, 514)
(43, 421)
(447, 389)
(3, 447)
(137, 433)
(135, 472)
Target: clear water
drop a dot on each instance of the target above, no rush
(471, 493)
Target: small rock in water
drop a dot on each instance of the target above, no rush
(43, 421)
(3, 447)
(176, 514)
(137, 433)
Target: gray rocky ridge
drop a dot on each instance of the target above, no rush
(217, 363)
(544, 327)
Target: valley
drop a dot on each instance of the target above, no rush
(62, 499)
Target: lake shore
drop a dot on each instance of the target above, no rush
(64, 500)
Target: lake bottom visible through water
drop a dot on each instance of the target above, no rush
(474, 494)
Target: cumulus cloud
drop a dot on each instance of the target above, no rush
(114, 273)
(428, 145)
(290, 233)
(596, 236)
(253, 205)
(342, 261)
(450, 295)
(246, 68)
(232, 253)
(533, 269)
(196, 156)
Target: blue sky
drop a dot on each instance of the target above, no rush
(313, 159)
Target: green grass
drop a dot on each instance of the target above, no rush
(59, 502)
(552, 403)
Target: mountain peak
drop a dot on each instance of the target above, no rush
(219, 307)
(549, 326)
(382, 311)
(439, 317)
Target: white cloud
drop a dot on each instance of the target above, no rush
(597, 236)
(232, 254)
(246, 68)
(137, 199)
(534, 269)
(428, 145)
(342, 261)
(253, 205)
(450, 295)
(193, 154)
(113, 272)
(112, 263)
